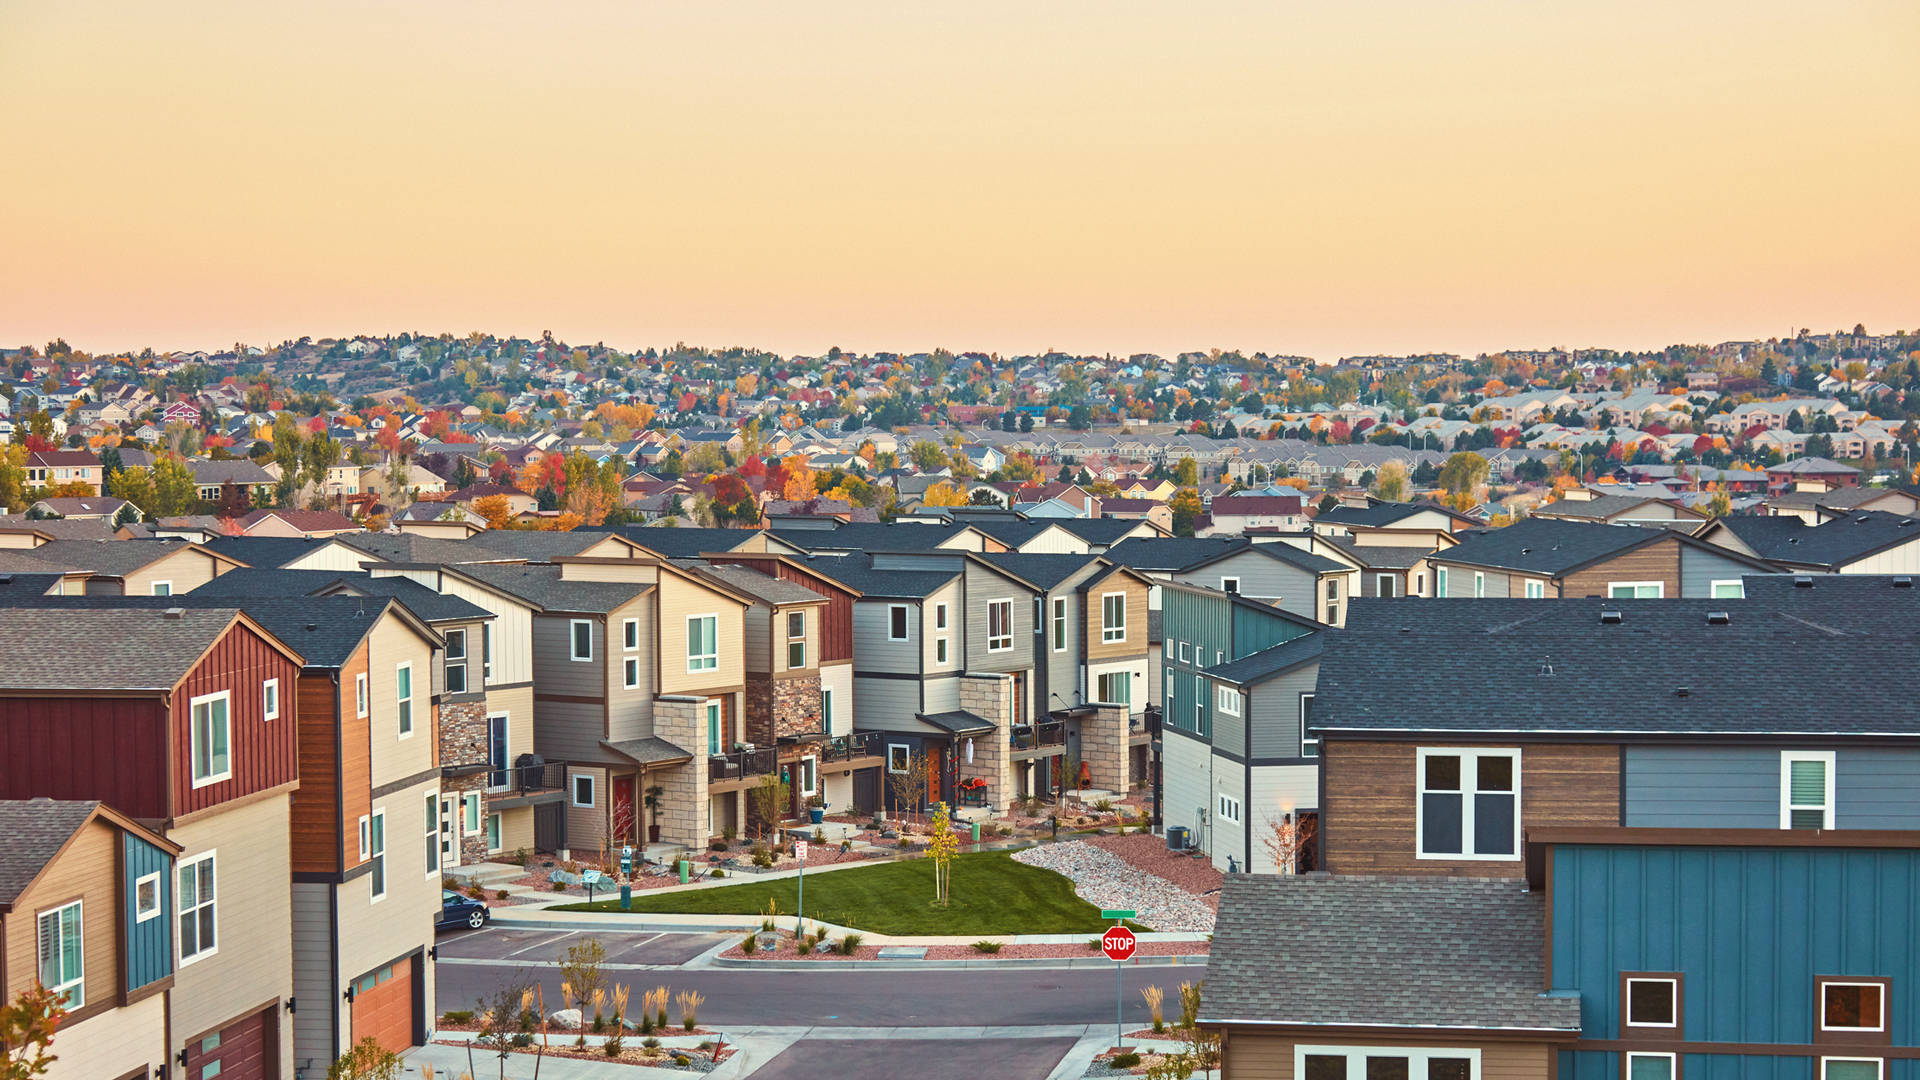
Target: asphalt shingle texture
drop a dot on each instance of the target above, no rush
(122, 648)
(1416, 952)
(35, 829)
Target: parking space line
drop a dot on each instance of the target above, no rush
(538, 944)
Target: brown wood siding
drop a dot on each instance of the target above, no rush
(315, 829)
(85, 871)
(1136, 641)
(1252, 1054)
(86, 748)
(1655, 562)
(836, 619)
(1369, 816)
(263, 753)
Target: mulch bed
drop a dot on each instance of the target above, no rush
(631, 1053)
(786, 951)
(557, 1032)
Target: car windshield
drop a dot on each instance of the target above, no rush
(448, 897)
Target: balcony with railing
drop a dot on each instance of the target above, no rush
(740, 764)
(761, 760)
(530, 780)
(1038, 740)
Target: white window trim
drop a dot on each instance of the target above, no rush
(942, 656)
(1227, 699)
(939, 616)
(630, 672)
(1307, 740)
(1820, 1006)
(78, 1000)
(384, 872)
(1878, 1063)
(1787, 758)
(1739, 583)
(1236, 584)
(179, 909)
(574, 795)
(1673, 1060)
(629, 632)
(1627, 1005)
(471, 820)
(1006, 625)
(692, 667)
(1229, 810)
(1383, 585)
(1532, 589)
(361, 698)
(1440, 581)
(1660, 588)
(366, 836)
(1110, 634)
(906, 623)
(891, 747)
(1468, 771)
(810, 768)
(491, 826)
(826, 709)
(154, 588)
(403, 706)
(433, 835)
(573, 640)
(1417, 1058)
(1479, 584)
(158, 904)
(210, 778)
(1185, 656)
(1059, 624)
(269, 700)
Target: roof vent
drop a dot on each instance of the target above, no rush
(1683, 691)
(1526, 551)
(1610, 618)
(1718, 618)
(1903, 583)
(1546, 665)
(175, 613)
(6, 579)
(1803, 582)
(311, 627)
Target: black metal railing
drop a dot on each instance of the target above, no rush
(529, 774)
(756, 762)
(1034, 736)
(847, 747)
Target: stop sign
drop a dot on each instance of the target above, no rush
(1118, 943)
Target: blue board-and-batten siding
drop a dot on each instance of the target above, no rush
(1749, 928)
(150, 943)
(1738, 787)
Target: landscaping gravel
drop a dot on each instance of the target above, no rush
(1147, 852)
(1108, 879)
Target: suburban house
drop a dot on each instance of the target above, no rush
(1240, 679)
(1390, 570)
(51, 468)
(183, 719)
(1375, 515)
(1799, 470)
(1862, 542)
(1815, 503)
(127, 568)
(1541, 558)
(87, 911)
(210, 477)
(1584, 504)
(1238, 513)
(1651, 722)
(1278, 573)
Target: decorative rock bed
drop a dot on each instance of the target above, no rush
(1107, 880)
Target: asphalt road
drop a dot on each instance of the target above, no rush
(475, 963)
(924, 1059)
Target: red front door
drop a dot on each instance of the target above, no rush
(623, 809)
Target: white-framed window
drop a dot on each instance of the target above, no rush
(470, 812)
(162, 588)
(270, 700)
(703, 642)
(630, 672)
(493, 832)
(1636, 590)
(939, 616)
(999, 625)
(1642, 1065)
(366, 836)
(796, 639)
(809, 775)
(1116, 687)
(1469, 804)
(897, 622)
(1333, 588)
(1479, 584)
(714, 712)
(195, 903)
(1806, 789)
(1113, 617)
(1230, 584)
(486, 651)
(1185, 655)
(1853, 1068)
(1653, 1001)
(360, 695)
(1201, 725)
(146, 897)
(63, 954)
(1853, 1006)
(580, 634)
(1309, 742)
(1227, 698)
(211, 724)
(826, 709)
(403, 696)
(1229, 811)
(1384, 584)
(583, 790)
(433, 835)
(456, 661)
(1734, 589)
(1536, 590)
(940, 652)
(629, 635)
(1439, 581)
(1419, 584)
(1059, 624)
(1365, 1062)
(899, 757)
(377, 851)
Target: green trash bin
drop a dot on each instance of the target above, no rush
(685, 869)
(626, 897)
(976, 832)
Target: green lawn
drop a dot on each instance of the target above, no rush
(991, 894)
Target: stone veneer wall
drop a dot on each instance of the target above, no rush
(987, 696)
(781, 707)
(1103, 746)
(683, 810)
(463, 741)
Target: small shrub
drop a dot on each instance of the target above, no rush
(751, 943)
(613, 1047)
(457, 1016)
(523, 1040)
(803, 945)
(520, 857)
(1105, 806)
(450, 883)
(500, 895)
(682, 1060)
(729, 833)
(986, 946)
(719, 873)
(477, 891)
(718, 845)
(1125, 1061)
(1093, 944)
(557, 886)
(819, 836)
(762, 858)
(705, 1044)
(850, 944)
(650, 1043)
(846, 846)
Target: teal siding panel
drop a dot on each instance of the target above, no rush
(149, 943)
(1254, 631)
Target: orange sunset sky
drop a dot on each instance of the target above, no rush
(1324, 178)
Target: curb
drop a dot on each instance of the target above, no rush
(1188, 960)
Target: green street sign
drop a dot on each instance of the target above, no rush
(1117, 914)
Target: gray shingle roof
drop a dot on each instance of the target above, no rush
(412, 548)
(267, 584)
(1600, 507)
(268, 551)
(1100, 530)
(541, 584)
(863, 537)
(1169, 553)
(1010, 531)
(533, 544)
(649, 750)
(957, 722)
(108, 558)
(856, 571)
(1258, 667)
(1551, 546)
(1383, 515)
(687, 543)
(1405, 952)
(324, 630)
(1831, 543)
(120, 648)
(754, 583)
(36, 830)
(1045, 571)
(1381, 556)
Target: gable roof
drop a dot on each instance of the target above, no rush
(857, 572)
(427, 604)
(754, 583)
(113, 558)
(1038, 570)
(125, 647)
(1280, 552)
(1384, 952)
(1382, 556)
(38, 830)
(1787, 539)
(1170, 553)
(1552, 547)
(1602, 507)
(1384, 515)
(1256, 668)
(272, 551)
(541, 583)
(1105, 530)
(860, 536)
(688, 543)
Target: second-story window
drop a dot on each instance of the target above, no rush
(456, 661)
(1469, 804)
(1650, 1004)
(1229, 699)
(211, 761)
(630, 672)
(897, 621)
(403, 697)
(796, 639)
(703, 642)
(581, 632)
(360, 695)
(63, 955)
(377, 851)
(1113, 617)
(486, 650)
(433, 834)
(1309, 742)
(1806, 789)
(195, 903)
(1185, 654)
(1059, 624)
(999, 625)
(629, 635)
(270, 700)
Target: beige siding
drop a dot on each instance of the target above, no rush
(679, 600)
(512, 624)
(630, 710)
(632, 572)
(84, 872)
(1251, 1055)
(516, 831)
(375, 932)
(921, 624)
(313, 1036)
(187, 569)
(397, 756)
(114, 1043)
(253, 922)
(587, 825)
(839, 679)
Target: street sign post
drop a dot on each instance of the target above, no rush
(800, 852)
(1118, 943)
(590, 878)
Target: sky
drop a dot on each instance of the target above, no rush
(1094, 176)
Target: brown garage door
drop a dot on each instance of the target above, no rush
(383, 1006)
(235, 1052)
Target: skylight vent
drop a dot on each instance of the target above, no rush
(1718, 618)
(1803, 582)
(1903, 583)
(1610, 618)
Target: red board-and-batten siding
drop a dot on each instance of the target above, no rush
(116, 749)
(836, 620)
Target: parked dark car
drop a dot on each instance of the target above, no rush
(457, 911)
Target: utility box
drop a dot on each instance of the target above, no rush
(1178, 838)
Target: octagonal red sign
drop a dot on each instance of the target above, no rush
(1118, 943)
